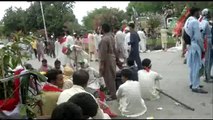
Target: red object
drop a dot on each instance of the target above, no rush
(10, 104)
(101, 95)
(62, 40)
(147, 69)
(48, 88)
(64, 50)
(109, 112)
(179, 25)
(205, 48)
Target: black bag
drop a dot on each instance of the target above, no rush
(186, 38)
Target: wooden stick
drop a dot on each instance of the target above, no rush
(188, 107)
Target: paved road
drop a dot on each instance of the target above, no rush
(176, 83)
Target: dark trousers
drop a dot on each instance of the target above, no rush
(136, 58)
(52, 53)
(35, 52)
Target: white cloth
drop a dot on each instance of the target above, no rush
(120, 44)
(97, 40)
(149, 81)
(211, 73)
(127, 39)
(59, 54)
(131, 104)
(143, 38)
(14, 114)
(68, 93)
(95, 80)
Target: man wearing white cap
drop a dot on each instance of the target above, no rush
(207, 36)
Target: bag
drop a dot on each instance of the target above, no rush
(186, 38)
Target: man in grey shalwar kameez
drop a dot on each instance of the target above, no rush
(195, 50)
(107, 58)
(206, 35)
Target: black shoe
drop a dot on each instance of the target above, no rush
(201, 86)
(197, 90)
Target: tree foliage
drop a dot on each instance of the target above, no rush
(178, 6)
(95, 18)
(57, 16)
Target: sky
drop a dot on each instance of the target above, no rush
(80, 8)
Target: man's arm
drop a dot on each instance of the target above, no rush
(197, 34)
(132, 39)
(119, 93)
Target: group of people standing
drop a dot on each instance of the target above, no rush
(197, 34)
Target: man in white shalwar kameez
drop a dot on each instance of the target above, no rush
(97, 38)
(63, 42)
(142, 43)
(120, 45)
(131, 104)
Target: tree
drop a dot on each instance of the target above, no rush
(14, 20)
(95, 18)
(56, 14)
(144, 7)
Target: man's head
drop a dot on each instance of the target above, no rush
(84, 63)
(57, 64)
(195, 12)
(130, 62)
(44, 62)
(131, 26)
(205, 12)
(126, 74)
(55, 77)
(28, 66)
(117, 28)
(67, 111)
(87, 103)
(146, 63)
(80, 78)
(126, 30)
(105, 28)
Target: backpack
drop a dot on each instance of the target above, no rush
(186, 38)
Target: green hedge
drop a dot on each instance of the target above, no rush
(171, 41)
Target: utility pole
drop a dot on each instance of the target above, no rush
(45, 29)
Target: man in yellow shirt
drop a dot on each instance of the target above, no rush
(33, 44)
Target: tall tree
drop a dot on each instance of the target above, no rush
(14, 19)
(57, 16)
(95, 18)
